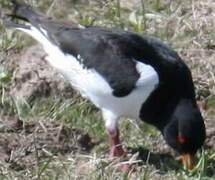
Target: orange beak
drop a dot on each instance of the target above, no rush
(189, 161)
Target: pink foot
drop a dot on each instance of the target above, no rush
(125, 167)
(116, 149)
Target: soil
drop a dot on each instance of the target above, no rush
(35, 77)
(23, 145)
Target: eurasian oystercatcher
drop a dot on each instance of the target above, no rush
(124, 74)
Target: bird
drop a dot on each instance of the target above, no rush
(125, 74)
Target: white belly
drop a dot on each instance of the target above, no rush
(93, 86)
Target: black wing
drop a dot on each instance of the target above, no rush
(100, 49)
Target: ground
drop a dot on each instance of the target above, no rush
(47, 131)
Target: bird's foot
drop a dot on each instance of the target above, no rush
(127, 167)
(124, 165)
(116, 151)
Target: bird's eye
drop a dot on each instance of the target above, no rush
(181, 139)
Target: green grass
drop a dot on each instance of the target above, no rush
(171, 21)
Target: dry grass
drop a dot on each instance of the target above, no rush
(188, 26)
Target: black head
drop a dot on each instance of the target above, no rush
(185, 132)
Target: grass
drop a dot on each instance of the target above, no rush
(185, 25)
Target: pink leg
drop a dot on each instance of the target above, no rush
(116, 149)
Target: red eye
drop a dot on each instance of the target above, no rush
(181, 139)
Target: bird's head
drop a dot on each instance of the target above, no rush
(185, 131)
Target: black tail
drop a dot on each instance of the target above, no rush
(23, 11)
